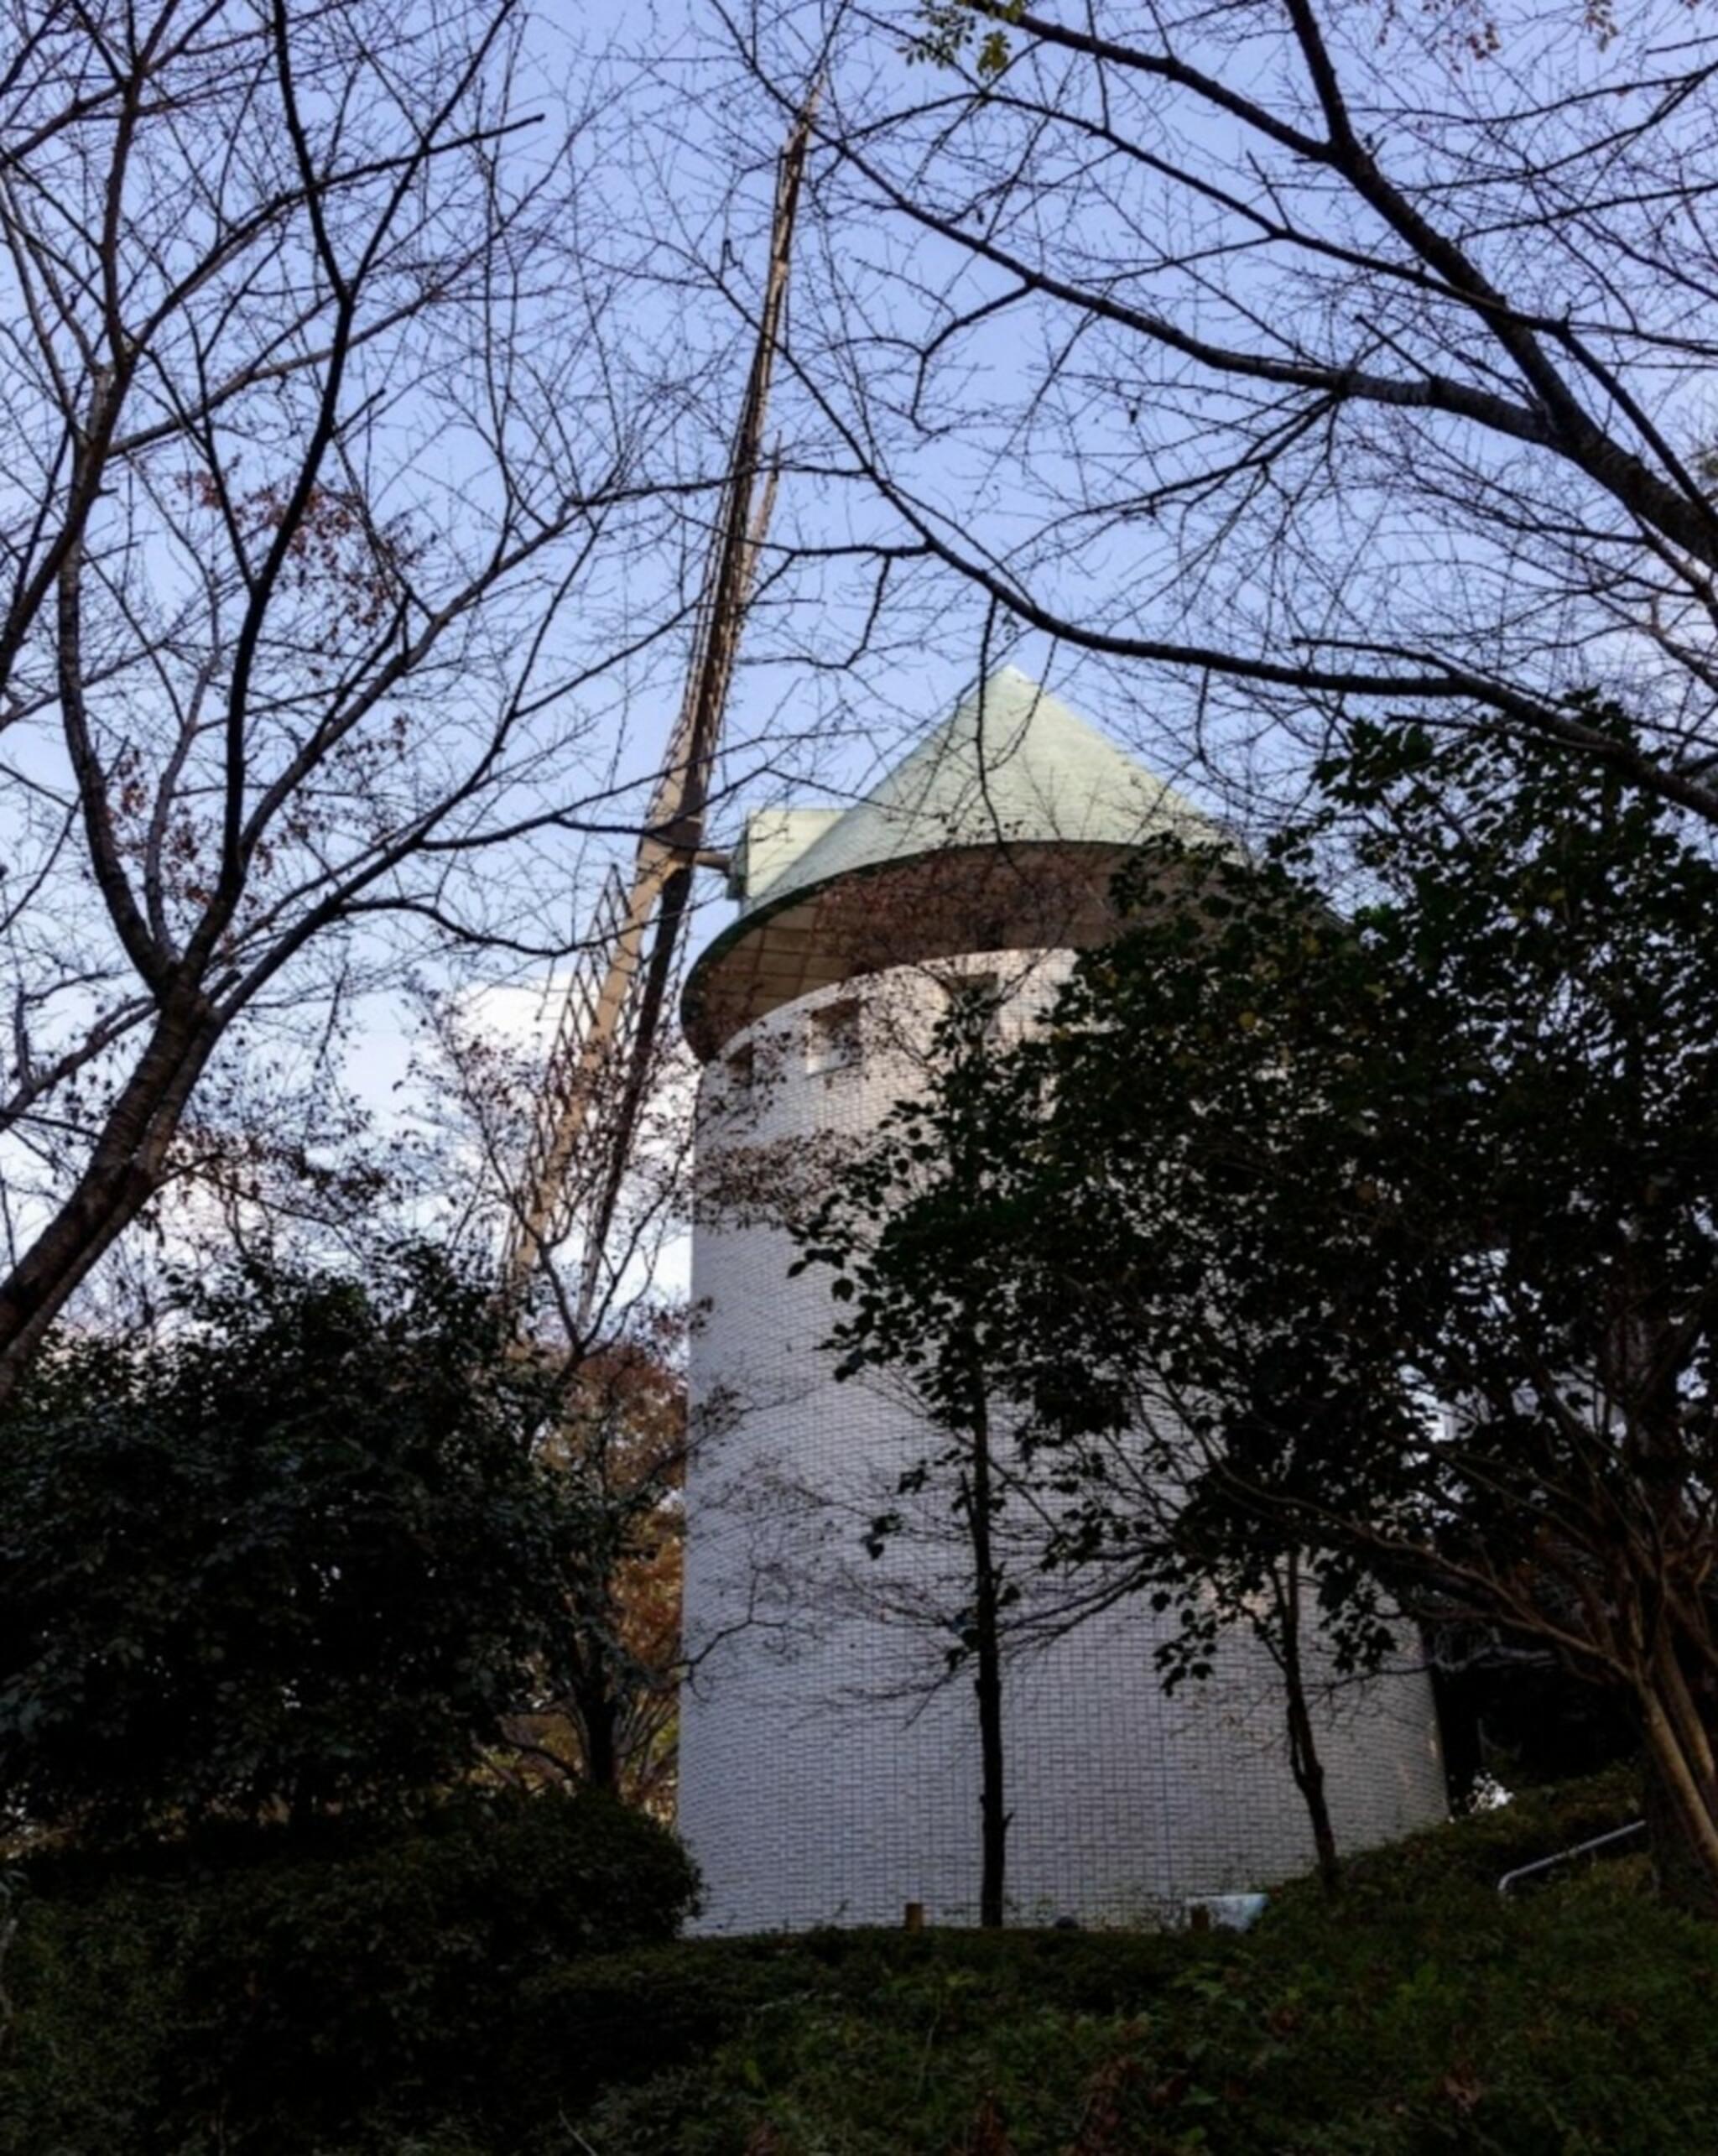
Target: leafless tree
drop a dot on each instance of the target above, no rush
(339, 520)
(479, 1076)
(611, 1325)
(1295, 360)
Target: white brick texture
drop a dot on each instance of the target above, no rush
(828, 1761)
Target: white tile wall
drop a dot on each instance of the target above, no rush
(826, 1774)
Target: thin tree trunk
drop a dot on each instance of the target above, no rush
(988, 1683)
(1682, 1780)
(1304, 1763)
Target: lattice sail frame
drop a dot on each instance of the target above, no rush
(600, 1060)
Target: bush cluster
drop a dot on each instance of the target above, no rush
(298, 1552)
(249, 1999)
(501, 1981)
(1421, 2012)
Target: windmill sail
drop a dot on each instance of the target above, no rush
(605, 1039)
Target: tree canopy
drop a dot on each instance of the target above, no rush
(300, 1553)
(1388, 1230)
(1290, 360)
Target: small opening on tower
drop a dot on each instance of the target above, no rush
(832, 1042)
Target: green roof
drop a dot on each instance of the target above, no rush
(1014, 763)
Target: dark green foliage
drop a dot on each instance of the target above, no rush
(365, 1986)
(398, 1970)
(1425, 2015)
(295, 1554)
(1384, 1234)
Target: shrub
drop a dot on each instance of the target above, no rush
(1535, 1823)
(299, 1552)
(1573, 2020)
(487, 1986)
(372, 1979)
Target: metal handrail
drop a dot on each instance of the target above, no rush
(1564, 1856)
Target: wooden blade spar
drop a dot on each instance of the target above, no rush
(607, 1036)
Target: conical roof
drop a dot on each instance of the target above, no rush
(1012, 763)
(1002, 830)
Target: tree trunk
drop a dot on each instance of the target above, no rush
(126, 1168)
(1681, 1775)
(988, 1683)
(1682, 1816)
(599, 1715)
(1305, 1764)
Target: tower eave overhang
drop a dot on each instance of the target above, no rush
(945, 901)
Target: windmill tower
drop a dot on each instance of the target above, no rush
(825, 1777)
